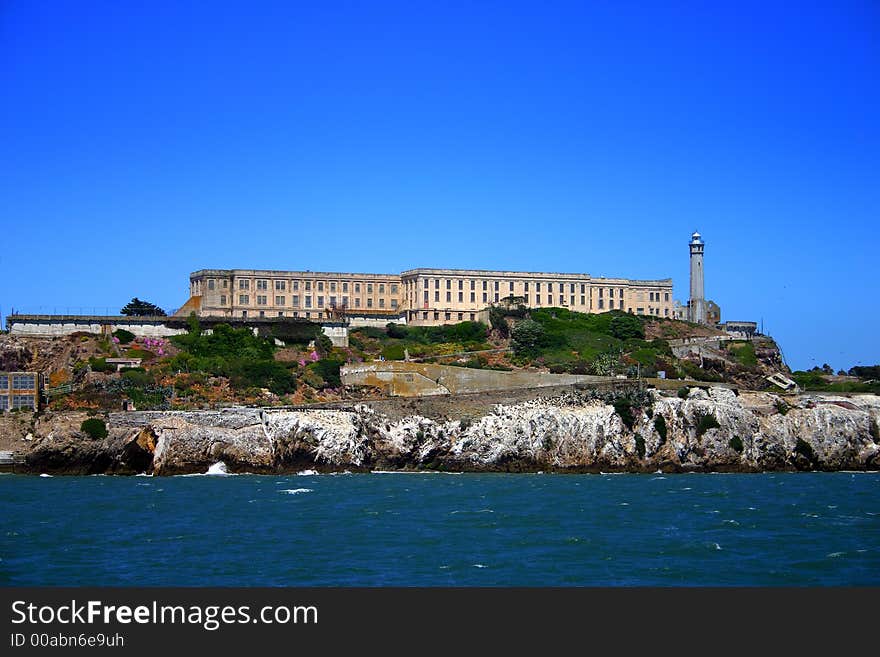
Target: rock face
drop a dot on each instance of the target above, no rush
(714, 430)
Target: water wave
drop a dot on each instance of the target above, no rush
(297, 491)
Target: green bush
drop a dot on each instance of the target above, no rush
(683, 392)
(393, 351)
(705, 422)
(781, 407)
(94, 428)
(270, 374)
(295, 331)
(138, 376)
(101, 365)
(498, 321)
(328, 370)
(527, 338)
(123, 336)
(625, 326)
(623, 406)
(736, 444)
(640, 446)
(744, 352)
(660, 426)
(396, 330)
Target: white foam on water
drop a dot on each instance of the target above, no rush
(731, 522)
(218, 469)
(306, 473)
(717, 547)
(834, 555)
(43, 474)
(480, 565)
(411, 472)
(624, 504)
(657, 478)
(296, 491)
(143, 474)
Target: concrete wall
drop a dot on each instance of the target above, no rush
(57, 325)
(404, 379)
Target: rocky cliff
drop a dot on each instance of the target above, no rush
(714, 430)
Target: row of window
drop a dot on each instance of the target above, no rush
(496, 285)
(19, 382)
(448, 316)
(332, 302)
(320, 286)
(8, 402)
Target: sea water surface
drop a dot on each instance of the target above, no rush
(400, 529)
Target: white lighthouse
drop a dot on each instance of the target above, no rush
(697, 302)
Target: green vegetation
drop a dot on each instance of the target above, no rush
(705, 422)
(781, 407)
(683, 392)
(817, 380)
(736, 444)
(101, 365)
(296, 331)
(247, 360)
(123, 336)
(139, 308)
(640, 446)
(498, 321)
(660, 426)
(94, 428)
(744, 352)
(328, 370)
(527, 339)
(420, 341)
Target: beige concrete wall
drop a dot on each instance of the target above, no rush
(425, 296)
(404, 379)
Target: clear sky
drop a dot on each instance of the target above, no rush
(142, 141)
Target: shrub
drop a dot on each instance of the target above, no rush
(623, 406)
(498, 322)
(393, 352)
(323, 345)
(781, 407)
(138, 376)
(640, 446)
(328, 370)
(624, 327)
(526, 338)
(143, 354)
(101, 365)
(660, 426)
(464, 424)
(94, 428)
(706, 422)
(736, 444)
(605, 364)
(296, 331)
(123, 336)
(683, 392)
(396, 330)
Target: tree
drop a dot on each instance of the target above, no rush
(624, 327)
(138, 308)
(526, 338)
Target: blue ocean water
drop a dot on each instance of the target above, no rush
(442, 530)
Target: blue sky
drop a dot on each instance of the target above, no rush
(143, 141)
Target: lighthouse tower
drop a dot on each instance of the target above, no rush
(697, 302)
